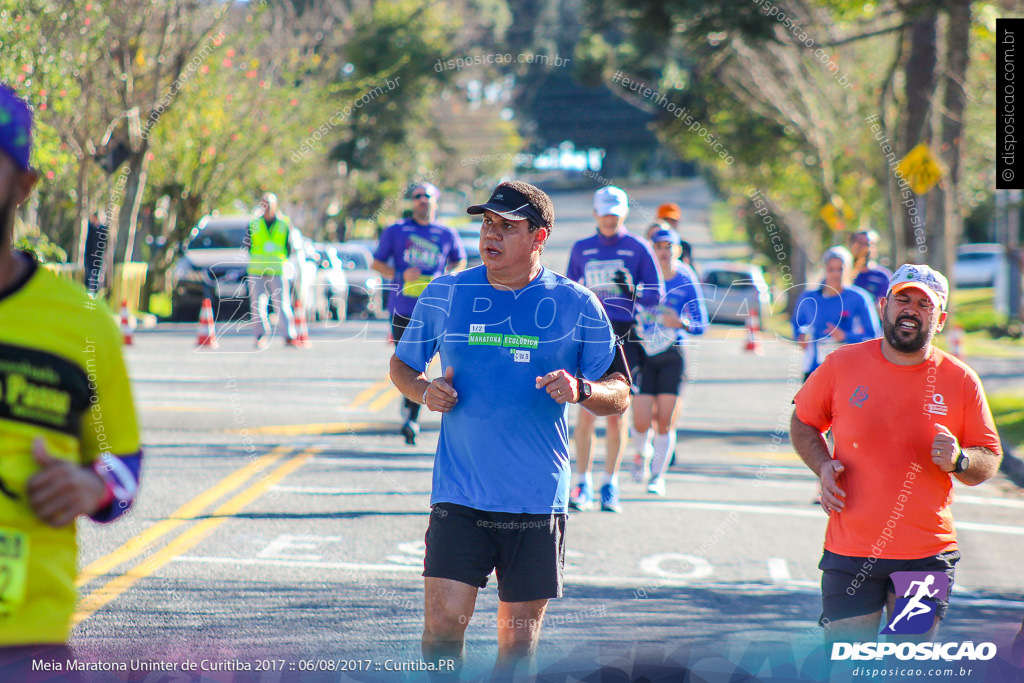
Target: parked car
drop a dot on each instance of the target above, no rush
(212, 265)
(733, 290)
(470, 235)
(330, 291)
(978, 265)
(365, 293)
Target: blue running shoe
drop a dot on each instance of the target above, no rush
(610, 498)
(581, 497)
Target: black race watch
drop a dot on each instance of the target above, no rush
(585, 389)
(962, 463)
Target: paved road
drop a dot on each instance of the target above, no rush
(282, 518)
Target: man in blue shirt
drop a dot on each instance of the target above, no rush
(517, 343)
(620, 268)
(413, 252)
(867, 274)
(836, 313)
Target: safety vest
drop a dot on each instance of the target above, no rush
(268, 249)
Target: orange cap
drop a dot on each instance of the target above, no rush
(669, 211)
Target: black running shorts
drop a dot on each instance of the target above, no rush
(526, 551)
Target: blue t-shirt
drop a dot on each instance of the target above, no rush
(504, 446)
(597, 262)
(683, 296)
(852, 311)
(875, 281)
(431, 248)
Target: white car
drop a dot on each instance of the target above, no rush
(733, 290)
(978, 265)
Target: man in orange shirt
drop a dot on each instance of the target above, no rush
(906, 417)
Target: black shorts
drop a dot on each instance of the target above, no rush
(664, 373)
(840, 572)
(526, 551)
(625, 335)
(398, 324)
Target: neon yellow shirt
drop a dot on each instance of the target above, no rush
(62, 378)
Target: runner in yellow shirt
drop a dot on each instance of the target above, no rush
(69, 440)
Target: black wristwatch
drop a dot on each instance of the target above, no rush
(585, 389)
(962, 463)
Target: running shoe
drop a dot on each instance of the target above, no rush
(262, 342)
(410, 430)
(610, 498)
(581, 497)
(656, 485)
(641, 468)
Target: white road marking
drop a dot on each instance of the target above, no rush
(983, 500)
(802, 512)
(991, 528)
(800, 587)
(755, 509)
(314, 491)
(700, 567)
(778, 569)
(276, 549)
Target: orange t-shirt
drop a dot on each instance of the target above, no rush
(883, 418)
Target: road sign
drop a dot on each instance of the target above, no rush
(921, 169)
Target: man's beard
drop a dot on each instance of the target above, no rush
(897, 337)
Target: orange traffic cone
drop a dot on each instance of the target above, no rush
(301, 330)
(753, 344)
(126, 324)
(207, 334)
(956, 342)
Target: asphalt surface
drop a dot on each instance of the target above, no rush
(281, 519)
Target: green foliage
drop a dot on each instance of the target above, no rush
(42, 248)
(1008, 411)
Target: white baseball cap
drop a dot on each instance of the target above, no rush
(930, 281)
(611, 200)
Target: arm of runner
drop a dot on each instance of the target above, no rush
(650, 286)
(384, 269)
(946, 450)
(610, 394)
(438, 395)
(811, 447)
(61, 491)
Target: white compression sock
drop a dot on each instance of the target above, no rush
(662, 448)
(585, 478)
(609, 478)
(642, 443)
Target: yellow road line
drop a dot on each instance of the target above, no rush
(384, 399)
(190, 510)
(367, 394)
(110, 591)
(323, 428)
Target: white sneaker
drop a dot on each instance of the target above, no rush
(656, 485)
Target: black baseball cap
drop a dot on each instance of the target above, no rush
(512, 205)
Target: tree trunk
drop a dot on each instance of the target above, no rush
(919, 90)
(953, 111)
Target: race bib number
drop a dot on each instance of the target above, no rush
(599, 277)
(13, 569)
(654, 338)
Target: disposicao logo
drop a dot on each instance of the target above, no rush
(917, 597)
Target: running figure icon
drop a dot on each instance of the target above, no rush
(915, 607)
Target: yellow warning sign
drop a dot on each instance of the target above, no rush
(921, 169)
(836, 214)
